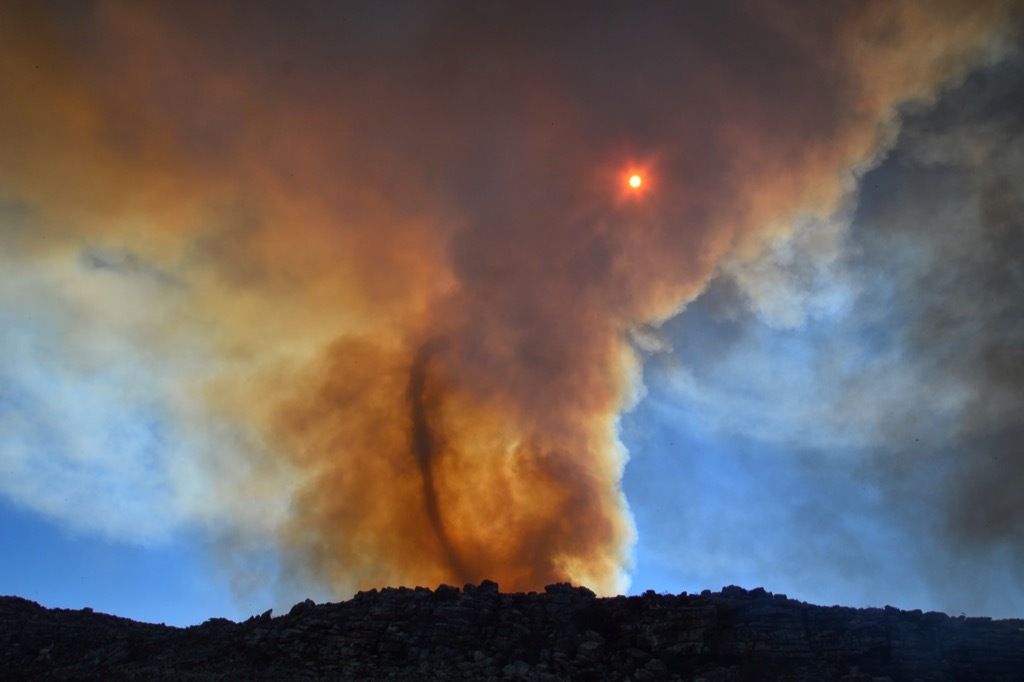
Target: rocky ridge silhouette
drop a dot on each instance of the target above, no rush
(480, 633)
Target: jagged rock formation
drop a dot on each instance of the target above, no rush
(478, 633)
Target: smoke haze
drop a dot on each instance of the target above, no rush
(368, 285)
(861, 369)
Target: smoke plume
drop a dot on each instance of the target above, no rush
(378, 271)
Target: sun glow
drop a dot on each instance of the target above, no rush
(633, 180)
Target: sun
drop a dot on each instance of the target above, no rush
(634, 179)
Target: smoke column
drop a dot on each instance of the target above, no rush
(425, 447)
(380, 269)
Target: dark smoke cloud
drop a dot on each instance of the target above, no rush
(959, 230)
(872, 377)
(337, 187)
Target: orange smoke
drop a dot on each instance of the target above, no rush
(401, 242)
(452, 482)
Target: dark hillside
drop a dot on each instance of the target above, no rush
(479, 633)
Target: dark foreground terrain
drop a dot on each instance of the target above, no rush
(478, 633)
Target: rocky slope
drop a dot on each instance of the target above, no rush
(479, 633)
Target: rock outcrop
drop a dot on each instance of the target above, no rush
(479, 633)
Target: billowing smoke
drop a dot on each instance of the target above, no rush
(371, 276)
(959, 230)
(856, 384)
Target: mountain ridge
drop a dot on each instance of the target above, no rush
(478, 632)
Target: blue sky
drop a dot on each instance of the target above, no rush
(805, 329)
(59, 567)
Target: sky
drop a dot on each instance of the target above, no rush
(298, 299)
